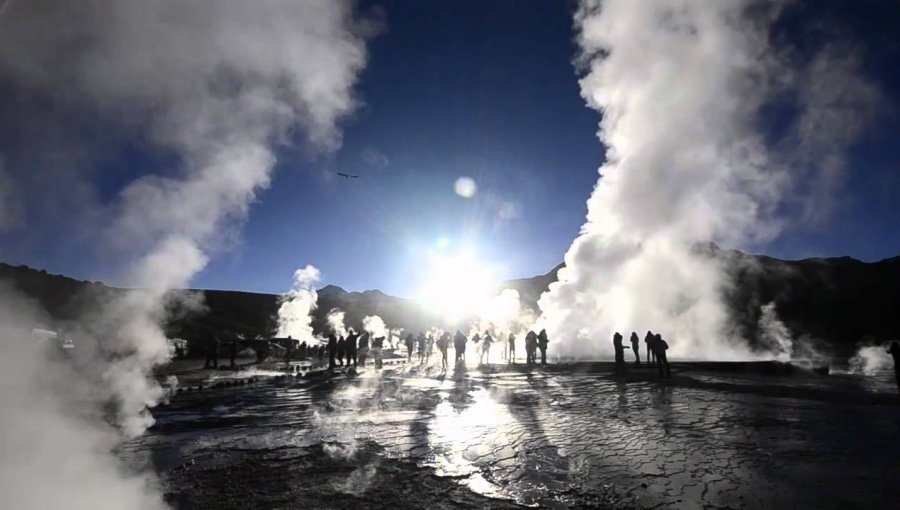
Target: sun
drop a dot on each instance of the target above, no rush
(457, 285)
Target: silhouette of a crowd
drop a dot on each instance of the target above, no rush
(355, 348)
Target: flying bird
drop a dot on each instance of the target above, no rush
(348, 176)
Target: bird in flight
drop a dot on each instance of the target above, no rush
(348, 176)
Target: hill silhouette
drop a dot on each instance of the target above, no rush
(836, 301)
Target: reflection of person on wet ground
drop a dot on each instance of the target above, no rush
(542, 345)
(341, 349)
(363, 349)
(410, 343)
(233, 356)
(511, 352)
(620, 353)
(420, 347)
(530, 347)
(659, 349)
(332, 350)
(635, 346)
(443, 343)
(648, 339)
(486, 348)
(894, 351)
(212, 353)
(459, 343)
(351, 347)
(377, 346)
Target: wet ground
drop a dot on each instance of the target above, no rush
(560, 436)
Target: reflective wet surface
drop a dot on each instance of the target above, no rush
(560, 436)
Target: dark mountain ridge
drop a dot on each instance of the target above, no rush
(836, 301)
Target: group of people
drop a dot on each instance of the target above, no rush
(656, 352)
(354, 349)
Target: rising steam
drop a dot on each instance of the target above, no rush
(680, 85)
(297, 306)
(335, 319)
(213, 86)
(375, 326)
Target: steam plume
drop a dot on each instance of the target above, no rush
(680, 84)
(217, 86)
(295, 312)
(375, 326)
(336, 322)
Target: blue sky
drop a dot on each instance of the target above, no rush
(479, 89)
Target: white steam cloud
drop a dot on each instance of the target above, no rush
(680, 84)
(870, 360)
(375, 326)
(295, 312)
(214, 85)
(335, 319)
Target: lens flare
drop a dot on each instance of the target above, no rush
(457, 285)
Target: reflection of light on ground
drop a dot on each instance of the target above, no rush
(463, 435)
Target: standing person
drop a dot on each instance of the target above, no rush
(459, 343)
(635, 346)
(443, 343)
(486, 348)
(649, 338)
(288, 352)
(429, 347)
(410, 342)
(363, 349)
(420, 347)
(620, 353)
(234, 352)
(542, 345)
(511, 352)
(377, 346)
(659, 349)
(894, 351)
(332, 350)
(530, 345)
(351, 348)
(212, 353)
(341, 350)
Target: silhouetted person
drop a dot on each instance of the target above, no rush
(332, 351)
(620, 353)
(377, 346)
(486, 348)
(459, 343)
(542, 341)
(288, 352)
(233, 354)
(363, 350)
(351, 348)
(420, 347)
(648, 339)
(429, 347)
(511, 352)
(895, 352)
(443, 343)
(476, 343)
(530, 347)
(659, 349)
(341, 349)
(410, 345)
(212, 353)
(635, 346)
